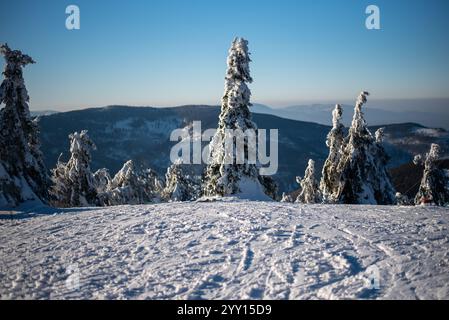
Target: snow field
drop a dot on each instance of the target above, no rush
(225, 250)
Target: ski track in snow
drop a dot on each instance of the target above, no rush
(226, 250)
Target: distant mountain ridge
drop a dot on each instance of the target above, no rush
(321, 113)
(142, 134)
(39, 113)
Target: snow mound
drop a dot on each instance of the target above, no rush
(226, 250)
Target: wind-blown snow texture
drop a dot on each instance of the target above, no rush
(226, 250)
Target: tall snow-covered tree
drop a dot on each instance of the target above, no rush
(385, 192)
(74, 184)
(181, 184)
(224, 175)
(310, 192)
(364, 178)
(335, 142)
(434, 187)
(23, 175)
(131, 185)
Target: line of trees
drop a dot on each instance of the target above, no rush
(355, 171)
(74, 184)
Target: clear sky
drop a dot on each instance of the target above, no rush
(167, 52)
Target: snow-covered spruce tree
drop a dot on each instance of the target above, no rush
(153, 183)
(229, 177)
(60, 191)
(23, 175)
(364, 177)
(310, 192)
(286, 197)
(131, 186)
(335, 142)
(434, 188)
(402, 199)
(386, 193)
(73, 182)
(180, 184)
(102, 179)
(125, 187)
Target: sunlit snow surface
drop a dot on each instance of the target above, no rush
(226, 250)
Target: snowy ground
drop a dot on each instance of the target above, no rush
(226, 250)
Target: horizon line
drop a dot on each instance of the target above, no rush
(305, 102)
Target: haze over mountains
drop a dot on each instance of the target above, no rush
(431, 112)
(142, 134)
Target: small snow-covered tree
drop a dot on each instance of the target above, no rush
(224, 177)
(335, 142)
(286, 197)
(102, 179)
(434, 186)
(310, 192)
(131, 186)
(402, 199)
(153, 183)
(23, 175)
(125, 187)
(60, 191)
(180, 184)
(364, 177)
(74, 184)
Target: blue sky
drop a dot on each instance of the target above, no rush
(167, 52)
